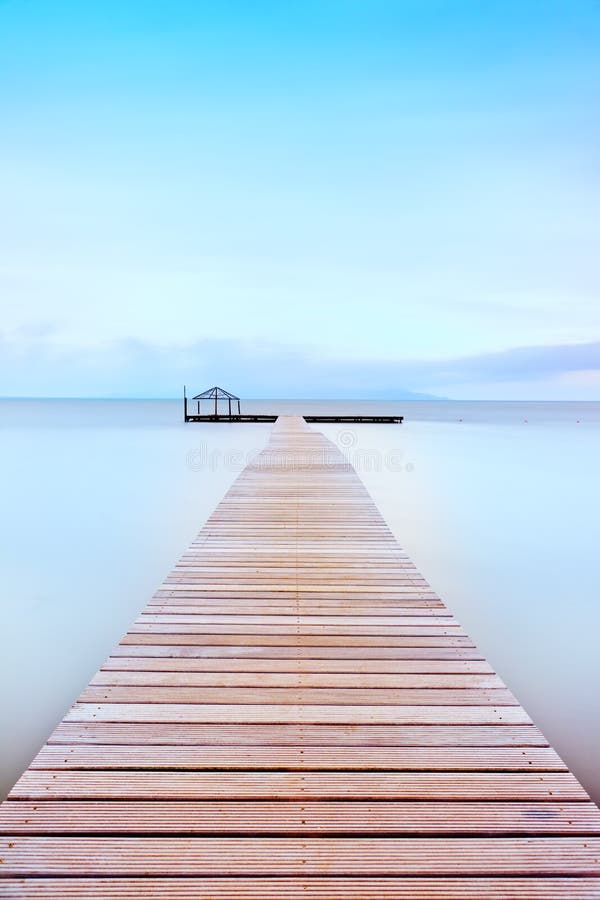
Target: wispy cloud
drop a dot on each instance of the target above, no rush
(45, 367)
(519, 363)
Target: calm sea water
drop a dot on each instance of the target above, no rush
(497, 503)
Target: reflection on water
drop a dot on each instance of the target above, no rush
(496, 503)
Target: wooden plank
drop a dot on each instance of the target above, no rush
(248, 639)
(61, 785)
(526, 759)
(172, 650)
(301, 888)
(296, 630)
(343, 612)
(233, 665)
(263, 680)
(306, 695)
(297, 714)
(384, 623)
(314, 817)
(295, 856)
(302, 735)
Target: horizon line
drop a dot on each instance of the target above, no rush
(432, 399)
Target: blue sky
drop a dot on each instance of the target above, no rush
(332, 198)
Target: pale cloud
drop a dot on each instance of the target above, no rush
(134, 368)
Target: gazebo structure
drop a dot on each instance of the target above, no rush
(217, 393)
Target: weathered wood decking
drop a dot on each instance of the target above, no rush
(296, 714)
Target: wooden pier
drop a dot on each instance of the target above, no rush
(383, 420)
(224, 417)
(249, 417)
(296, 714)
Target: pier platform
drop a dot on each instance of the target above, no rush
(387, 420)
(384, 420)
(296, 714)
(189, 417)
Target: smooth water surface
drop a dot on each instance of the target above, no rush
(496, 503)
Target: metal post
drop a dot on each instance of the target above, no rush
(238, 407)
(185, 412)
(216, 407)
(229, 401)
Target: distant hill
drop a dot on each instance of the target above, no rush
(404, 395)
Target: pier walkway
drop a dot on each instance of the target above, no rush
(296, 714)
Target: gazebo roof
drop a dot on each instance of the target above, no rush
(215, 392)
